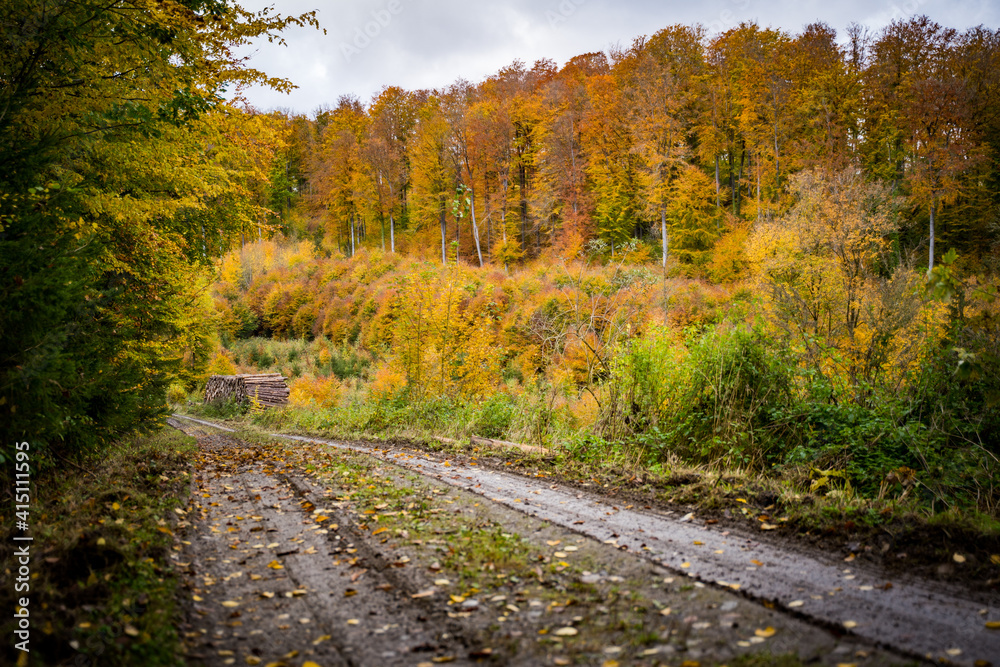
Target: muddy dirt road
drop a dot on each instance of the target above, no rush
(351, 554)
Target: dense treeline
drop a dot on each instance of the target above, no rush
(123, 172)
(679, 139)
(754, 251)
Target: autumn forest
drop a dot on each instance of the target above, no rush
(760, 251)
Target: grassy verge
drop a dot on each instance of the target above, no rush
(101, 591)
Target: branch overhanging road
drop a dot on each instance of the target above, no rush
(918, 618)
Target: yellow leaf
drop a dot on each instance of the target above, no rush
(993, 625)
(379, 530)
(353, 621)
(958, 558)
(685, 564)
(566, 632)
(197, 598)
(553, 543)
(131, 631)
(740, 500)
(275, 565)
(252, 660)
(309, 663)
(319, 640)
(796, 603)
(697, 543)
(115, 506)
(850, 624)
(765, 633)
(230, 603)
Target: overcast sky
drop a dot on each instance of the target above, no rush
(431, 43)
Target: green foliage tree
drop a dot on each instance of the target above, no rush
(121, 169)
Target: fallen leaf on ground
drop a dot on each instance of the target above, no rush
(765, 632)
(566, 632)
(796, 603)
(275, 565)
(353, 621)
(958, 558)
(230, 603)
(993, 625)
(850, 624)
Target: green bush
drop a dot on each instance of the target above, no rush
(494, 416)
(714, 401)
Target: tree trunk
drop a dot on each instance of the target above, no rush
(392, 233)
(352, 236)
(930, 261)
(718, 199)
(663, 225)
(444, 237)
(475, 228)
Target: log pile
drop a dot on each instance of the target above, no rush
(269, 389)
(265, 389)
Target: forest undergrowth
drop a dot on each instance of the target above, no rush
(706, 394)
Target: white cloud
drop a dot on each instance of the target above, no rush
(431, 43)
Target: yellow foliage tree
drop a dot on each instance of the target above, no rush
(833, 285)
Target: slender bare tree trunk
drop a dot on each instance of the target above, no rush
(475, 228)
(444, 237)
(663, 226)
(930, 261)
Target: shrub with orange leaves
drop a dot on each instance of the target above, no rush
(389, 379)
(315, 392)
(221, 364)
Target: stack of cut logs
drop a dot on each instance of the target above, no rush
(265, 389)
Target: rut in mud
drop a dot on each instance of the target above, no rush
(288, 567)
